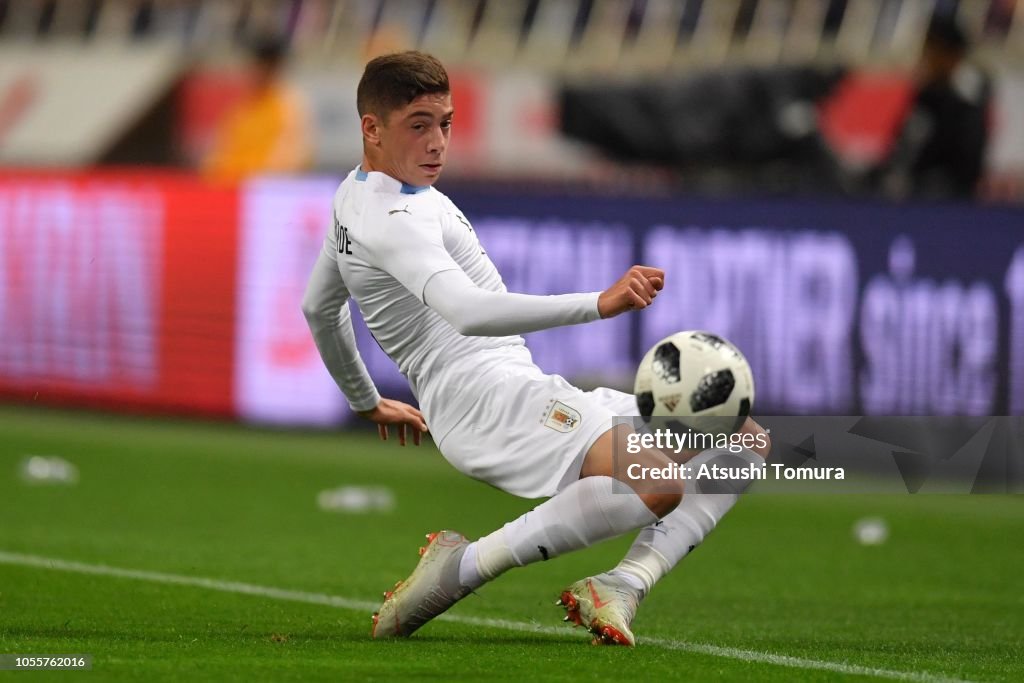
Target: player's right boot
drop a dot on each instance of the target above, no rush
(605, 605)
(431, 589)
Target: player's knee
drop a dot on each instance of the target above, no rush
(661, 494)
(665, 499)
(611, 456)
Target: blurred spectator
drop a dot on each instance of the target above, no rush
(268, 130)
(834, 12)
(940, 149)
(735, 128)
(999, 19)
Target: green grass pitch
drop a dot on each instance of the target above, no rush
(779, 592)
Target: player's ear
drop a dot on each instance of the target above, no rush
(371, 129)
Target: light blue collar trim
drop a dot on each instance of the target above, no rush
(362, 175)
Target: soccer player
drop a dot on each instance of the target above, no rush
(437, 306)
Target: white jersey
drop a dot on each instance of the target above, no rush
(389, 239)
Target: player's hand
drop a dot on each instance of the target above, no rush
(635, 290)
(390, 412)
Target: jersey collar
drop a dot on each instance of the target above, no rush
(362, 176)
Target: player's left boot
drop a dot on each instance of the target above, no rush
(605, 605)
(431, 589)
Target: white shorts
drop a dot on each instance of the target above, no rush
(529, 432)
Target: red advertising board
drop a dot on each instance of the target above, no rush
(117, 290)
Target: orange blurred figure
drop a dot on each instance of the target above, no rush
(268, 131)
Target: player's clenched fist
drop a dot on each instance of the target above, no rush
(634, 290)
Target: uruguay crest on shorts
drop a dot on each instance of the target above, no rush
(562, 418)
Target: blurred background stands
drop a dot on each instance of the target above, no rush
(565, 36)
(811, 74)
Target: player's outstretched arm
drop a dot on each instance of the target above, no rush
(402, 415)
(473, 311)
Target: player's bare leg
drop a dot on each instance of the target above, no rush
(590, 510)
(658, 547)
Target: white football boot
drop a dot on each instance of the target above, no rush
(605, 605)
(431, 589)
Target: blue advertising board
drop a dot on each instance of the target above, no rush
(840, 307)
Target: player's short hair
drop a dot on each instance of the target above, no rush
(392, 81)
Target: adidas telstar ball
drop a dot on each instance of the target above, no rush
(694, 375)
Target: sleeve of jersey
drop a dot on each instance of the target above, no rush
(473, 311)
(410, 247)
(325, 306)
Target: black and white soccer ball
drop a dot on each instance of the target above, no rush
(691, 376)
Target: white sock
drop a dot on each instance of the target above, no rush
(468, 575)
(585, 512)
(660, 546)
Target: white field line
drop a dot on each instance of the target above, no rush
(368, 607)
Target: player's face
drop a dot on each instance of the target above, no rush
(414, 141)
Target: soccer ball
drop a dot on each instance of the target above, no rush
(691, 376)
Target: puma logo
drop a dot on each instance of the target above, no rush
(405, 210)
